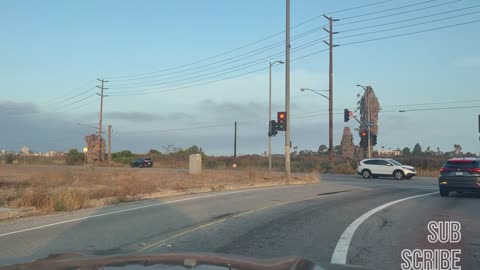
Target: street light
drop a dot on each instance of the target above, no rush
(270, 112)
(330, 134)
(368, 121)
(316, 92)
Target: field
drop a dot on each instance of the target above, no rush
(51, 188)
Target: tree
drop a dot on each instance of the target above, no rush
(9, 158)
(154, 152)
(322, 149)
(74, 157)
(348, 148)
(458, 149)
(406, 151)
(337, 149)
(417, 149)
(369, 108)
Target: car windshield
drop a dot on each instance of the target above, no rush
(266, 130)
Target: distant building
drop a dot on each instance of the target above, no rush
(389, 153)
(26, 151)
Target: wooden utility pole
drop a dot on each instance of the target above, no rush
(100, 153)
(109, 144)
(330, 87)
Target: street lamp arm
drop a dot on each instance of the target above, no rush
(316, 92)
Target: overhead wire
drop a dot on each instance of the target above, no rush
(244, 46)
(396, 14)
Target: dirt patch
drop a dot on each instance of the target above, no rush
(60, 188)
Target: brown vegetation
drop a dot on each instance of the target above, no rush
(58, 188)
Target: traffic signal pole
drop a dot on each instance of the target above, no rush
(270, 120)
(287, 90)
(368, 128)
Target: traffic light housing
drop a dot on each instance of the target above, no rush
(363, 138)
(282, 121)
(272, 128)
(346, 115)
(374, 139)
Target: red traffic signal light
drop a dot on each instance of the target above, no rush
(363, 134)
(282, 121)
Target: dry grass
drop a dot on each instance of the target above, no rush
(61, 188)
(428, 172)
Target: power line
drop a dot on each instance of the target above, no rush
(152, 91)
(396, 14)
(230, 70)
(295, 117)
(407, 20)
(117, 78)
(410, 25)
(410, 33)
(386, 10)
(241, 56)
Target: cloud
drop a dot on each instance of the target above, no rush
(133, 116)
(11, 107)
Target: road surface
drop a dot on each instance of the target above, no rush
(344, 219)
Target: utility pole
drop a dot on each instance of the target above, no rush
(100, 155)
(109, 144)
(235, 145)
(367, 94)
(287, 90)
(330, 87)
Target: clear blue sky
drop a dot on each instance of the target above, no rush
(53, 51)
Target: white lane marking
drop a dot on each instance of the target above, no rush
(341, 250)
(392, 185)
(135, 208)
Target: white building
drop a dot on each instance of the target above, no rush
(389, 153)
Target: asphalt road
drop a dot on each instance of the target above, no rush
(344, 219)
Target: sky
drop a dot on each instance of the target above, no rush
(182, 72)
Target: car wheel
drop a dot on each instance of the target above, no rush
(443, 193)
(398, 175)
(366, 174)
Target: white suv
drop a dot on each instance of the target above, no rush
(376, 167)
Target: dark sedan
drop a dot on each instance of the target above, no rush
(142, 163)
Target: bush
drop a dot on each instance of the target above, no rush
(9, 158)
(74, 157)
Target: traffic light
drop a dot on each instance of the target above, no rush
(363, 139)
(282, 121)
(272, 128)
(346, 115)
(374, 139)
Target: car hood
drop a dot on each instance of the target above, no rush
(177, 261)
(408, 167)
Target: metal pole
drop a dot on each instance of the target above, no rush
(270, 119)
(368, 123)
(235, 146)
(109, 144)
(287, 90)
